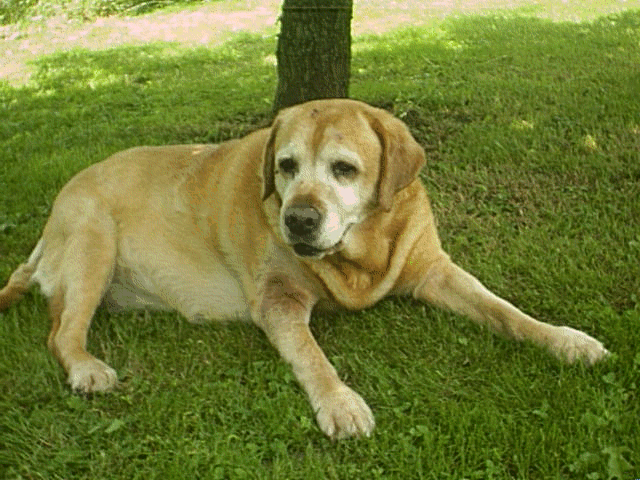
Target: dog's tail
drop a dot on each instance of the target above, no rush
(21, 279)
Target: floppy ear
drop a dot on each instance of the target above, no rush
(268, 161)
(402, 157)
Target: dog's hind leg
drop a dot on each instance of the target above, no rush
(85, 271)
(21, 279)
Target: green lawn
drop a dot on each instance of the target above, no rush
(532, 133)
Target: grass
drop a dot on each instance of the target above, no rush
(532, 130)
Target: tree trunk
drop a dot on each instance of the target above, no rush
(314, 51)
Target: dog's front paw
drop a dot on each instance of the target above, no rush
(91, 375)
(572, 345)
(343, 413)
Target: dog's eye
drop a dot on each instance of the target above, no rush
(288, 166)
(343, 169)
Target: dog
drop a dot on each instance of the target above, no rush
(323, 209)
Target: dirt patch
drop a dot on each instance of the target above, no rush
(208, 25)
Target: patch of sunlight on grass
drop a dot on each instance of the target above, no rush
(522, 125)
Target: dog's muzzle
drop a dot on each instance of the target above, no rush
(303, 223)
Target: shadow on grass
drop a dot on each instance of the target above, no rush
(472, 68)
(156, 93)
(494, 67)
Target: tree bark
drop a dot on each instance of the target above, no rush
(314, 51)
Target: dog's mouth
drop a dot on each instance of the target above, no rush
(309, 251)
(305, 250)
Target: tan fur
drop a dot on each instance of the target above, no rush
(233, 231)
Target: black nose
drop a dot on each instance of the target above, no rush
(302, 220)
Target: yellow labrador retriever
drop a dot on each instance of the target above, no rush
(323, 208)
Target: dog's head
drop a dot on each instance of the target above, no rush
(332, 163)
